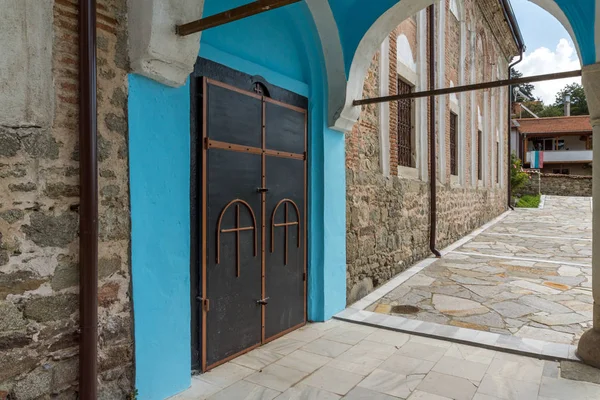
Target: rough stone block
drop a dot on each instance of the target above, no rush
(51, 308)
(11, 318)
(19, 282)
(52, 231)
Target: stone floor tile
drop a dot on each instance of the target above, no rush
(388, 337)
(198, 390)
(303, 361)
(277, 377)
(508, 388)
(422, 351)
(346, 335)
(359, 393)
(326, 347)
(283, 345)
(304, 392)
(308, 334)
(391, 384)
(406, 365)
(481, 396)
(431, 342)
(470, 353)
(564, 389)
(257, 359)
(225, 375)
(355, 363)
(379, 351)
(333, 380)
(470, 370)
(448, 386)
(547, 335)
(243, 390)
(526, 369)
(551, 369)
(418, 395)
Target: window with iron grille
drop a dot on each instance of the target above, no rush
(497, 162)
(405, 130)
(479, 155)
(453, 144)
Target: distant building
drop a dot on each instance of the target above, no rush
(566, 143)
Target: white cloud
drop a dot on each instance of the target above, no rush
(545, 61)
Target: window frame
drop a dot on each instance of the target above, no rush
(453, 143)
(402, 128)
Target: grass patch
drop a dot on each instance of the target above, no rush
(529, 201)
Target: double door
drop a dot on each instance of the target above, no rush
(253, 262)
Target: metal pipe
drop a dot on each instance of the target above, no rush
(510, 99)
(245, 11)
(88, 218)
(469, 88)
(432, 144)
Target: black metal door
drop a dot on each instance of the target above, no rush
(233, 271)
(253, 272)
(285, 210)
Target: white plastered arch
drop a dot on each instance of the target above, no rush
(365, 51)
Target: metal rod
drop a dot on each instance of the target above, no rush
(509, 185)
(88, 218)
(247, 10)
(433, 161)
(468, 88)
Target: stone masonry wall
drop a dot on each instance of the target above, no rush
(388, 217)
(558, 185)
(39, 203)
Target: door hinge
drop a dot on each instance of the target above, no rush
(206, 142)
(205, 303)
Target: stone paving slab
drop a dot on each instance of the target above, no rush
(383, 365)
(514, 277)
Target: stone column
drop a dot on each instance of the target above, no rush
(589, 345)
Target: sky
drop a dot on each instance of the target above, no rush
(549, 48)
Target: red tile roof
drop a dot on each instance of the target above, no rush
(573, 124)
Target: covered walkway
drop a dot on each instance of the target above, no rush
(521, 282)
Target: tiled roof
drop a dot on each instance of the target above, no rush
(573, 124)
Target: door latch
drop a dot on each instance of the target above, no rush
(205, 303)
(262, 190)
(264, 301)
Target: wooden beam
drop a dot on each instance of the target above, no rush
(247, 10)
(468, 88)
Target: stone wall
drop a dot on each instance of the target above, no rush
(558, 185)
(388, 217)
(39, 203)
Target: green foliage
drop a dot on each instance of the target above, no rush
(529, 201)
(526, 88)
(518, 177)
(579, 105)
(541, 110)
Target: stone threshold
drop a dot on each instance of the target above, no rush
(356, 313)
(488, 340)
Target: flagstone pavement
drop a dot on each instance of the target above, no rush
(528, 275)
(341, 360)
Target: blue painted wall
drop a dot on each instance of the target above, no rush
(581, 14)
(159, 168)
(282, 46)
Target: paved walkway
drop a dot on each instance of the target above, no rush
(528, 275)
(342, 360)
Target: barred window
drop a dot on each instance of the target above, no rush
(498, 162)
(453, 144)
(405, 129)
(479, 155)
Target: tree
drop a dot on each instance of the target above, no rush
(518, 177)
(540, 109)
(526, 88)
(579, 105)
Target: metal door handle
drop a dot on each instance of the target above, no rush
(264, 301)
